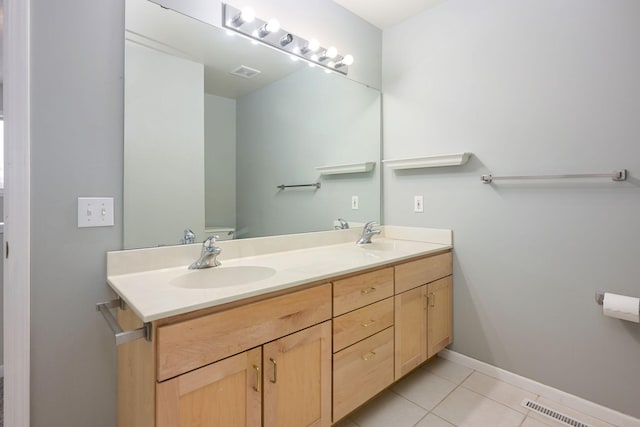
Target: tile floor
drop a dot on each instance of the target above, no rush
(445, 394)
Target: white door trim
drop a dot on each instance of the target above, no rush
(17, 284)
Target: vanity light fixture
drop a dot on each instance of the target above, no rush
(245, 17)
(271, 34)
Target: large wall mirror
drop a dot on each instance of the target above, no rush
(214, 124)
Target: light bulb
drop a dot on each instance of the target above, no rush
(331, 53)
(313, 45)
(247, 15)
(314, 57)
(331, 64)
(273, 26)
(347, 60)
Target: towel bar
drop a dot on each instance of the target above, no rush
(121, 336)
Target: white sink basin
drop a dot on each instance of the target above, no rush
(221, 277)
(378, 246)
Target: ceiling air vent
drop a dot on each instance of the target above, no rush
(553, 414)
(245, 72)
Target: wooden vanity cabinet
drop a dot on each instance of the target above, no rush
(423, 310)
(266, 363)
(286, 382)
(304, 358)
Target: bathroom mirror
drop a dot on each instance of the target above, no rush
(214, 124)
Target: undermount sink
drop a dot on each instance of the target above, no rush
(221, 277)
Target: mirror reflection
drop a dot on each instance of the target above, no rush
(214, 124)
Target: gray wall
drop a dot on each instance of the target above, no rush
(529, 87)
(77, 52)
(219, 161)
(288, 128)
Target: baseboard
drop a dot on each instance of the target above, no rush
(586, 407)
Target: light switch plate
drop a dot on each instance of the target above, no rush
(418, 204)
(95, 212)
(355, 203)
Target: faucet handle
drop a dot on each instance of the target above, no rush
(369, 225)
(210, 241)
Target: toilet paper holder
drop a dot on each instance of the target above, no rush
(599, 297)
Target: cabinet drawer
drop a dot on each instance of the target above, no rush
(361, 371)
(361, 323)
(363, 289)
(190, 344)
(415, 273)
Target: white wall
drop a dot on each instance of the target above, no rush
(288, 128)
(220, 161)
(163, 187)
(529, 87)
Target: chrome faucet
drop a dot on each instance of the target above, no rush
(344, 225)
(208, 256)
(367, 232)
(189, 237)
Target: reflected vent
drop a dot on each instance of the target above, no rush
(245, 72)
(553, 414)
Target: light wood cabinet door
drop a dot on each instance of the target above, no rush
(224, 394)
(410, 330)
(439, 315)
(297, 379)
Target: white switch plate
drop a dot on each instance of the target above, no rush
(418, 204)
(95, 212)
(355, 203)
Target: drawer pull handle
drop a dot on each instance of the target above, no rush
(432, 299)
(369, 356)
(369, 323)
(367, 291)
(275, 371)
(257, 386)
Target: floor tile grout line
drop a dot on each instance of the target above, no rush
(526, 414)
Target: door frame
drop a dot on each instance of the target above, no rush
(17, 233)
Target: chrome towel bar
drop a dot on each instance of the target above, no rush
(619, 175)
(121, 336)
(315, 184)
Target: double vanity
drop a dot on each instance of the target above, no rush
(294, 330)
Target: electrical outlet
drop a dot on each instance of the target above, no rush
(418, 204)
(355, 204)
(95, 211)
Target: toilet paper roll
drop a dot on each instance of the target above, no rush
(621, 307)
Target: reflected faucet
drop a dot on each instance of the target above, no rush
(208, 256)
(344, 225)
(189, 237)
(367, 232)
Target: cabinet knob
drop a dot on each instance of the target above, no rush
(367, 291)
(369, 323)
(369, 356)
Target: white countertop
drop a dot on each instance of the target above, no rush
(157, 293)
